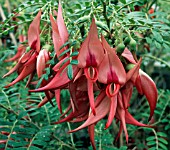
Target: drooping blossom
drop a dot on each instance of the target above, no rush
(20, 50)
(112, 73)
(90, 56)
(144, 84)
(27, 63)
(99, 69)
(59, 32)
(42, 59)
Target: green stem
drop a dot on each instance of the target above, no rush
(63, 142)
(30, 144)
(127, 5)
(158, 59)
(71, 135)
(9, 104)
(45, 27)
(21, 11)
(163, 110)
(48, 118)
(14, 26)
(156, 138)
(12, 111)
(105, 14)
(6, 145)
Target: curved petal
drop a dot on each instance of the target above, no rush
(91, 133)
(25, 72)
(111, 69)
(149, 90)
(40, 65)
(131, 120)
(56, 36)
(112, 112)
(57, 97)
(59, 80)
(91, 52)
(132, 74)
(101, 112)
(21, 49)
(61, 25)
(128, 55)
(45, 100)
(33, 33)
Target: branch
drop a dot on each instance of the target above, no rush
(105, 14)
(158, 59)
(10, 34)
(12, 111)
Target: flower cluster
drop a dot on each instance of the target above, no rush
(102, 82)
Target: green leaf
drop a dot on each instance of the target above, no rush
(166, 46)
(20, 148)
(75, 53)
(5, 129)
(44, 1)
(21, 18)
(65, 44)
(163, 146)
(151, 138)
(162, 140)
(70, 72)
(6, 123)
(83, 19)
(3, 137)
(2, 146)
(161, 134)
(34, 148)
(123, 148)
(148, 40)
(152, 148)
(64, 52)
(157, 44)
(17, 144)
(151, 143)
(78, 6)
(74, 62)
(123, 1)
(5, 32)
(157, 36)
(102, 25)
(39, 142)
(135, 14)
(22, 114)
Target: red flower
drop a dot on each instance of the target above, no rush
(142, 81)
(146, 86)
(59, 32)
(20, 50)
(33, 33)
(112, 73)
(90, 56)
(27, 63)
(42, 59)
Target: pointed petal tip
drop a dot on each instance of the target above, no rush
(94, 112)
(150, 117)
(106, 126)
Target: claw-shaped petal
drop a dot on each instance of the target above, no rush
(148, 88)
(33, 33)
(111, 69)
(101, 111)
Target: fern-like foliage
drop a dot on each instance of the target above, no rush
(24, 126)
(157, 141)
